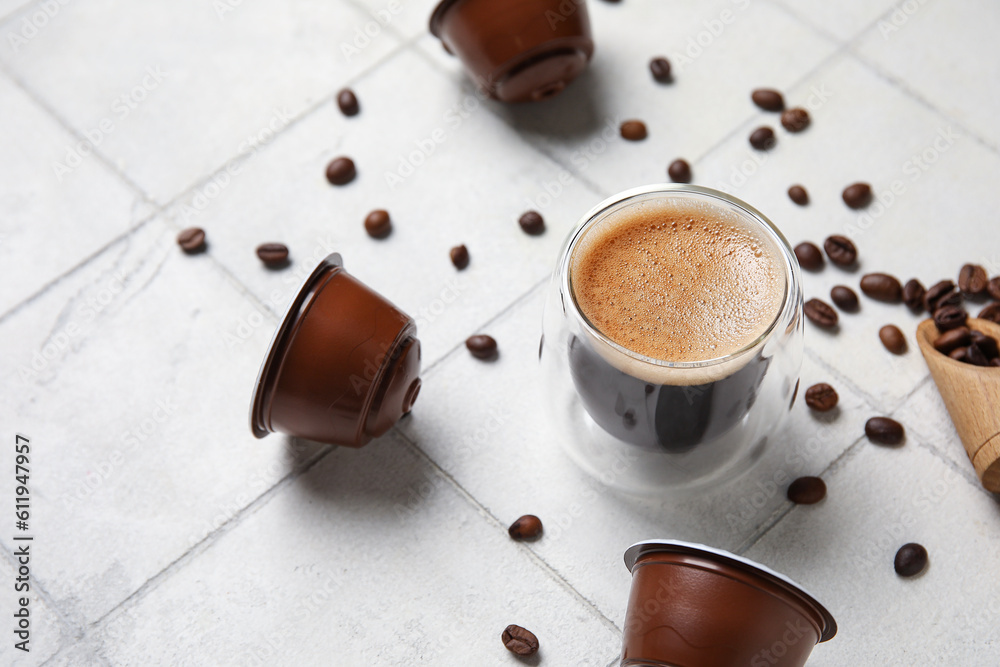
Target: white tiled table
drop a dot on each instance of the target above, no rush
(165, 534)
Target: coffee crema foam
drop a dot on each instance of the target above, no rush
(678, 282)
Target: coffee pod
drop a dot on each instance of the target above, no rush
(522, 51)
(695, 606)
(342, 367)
(971, 394)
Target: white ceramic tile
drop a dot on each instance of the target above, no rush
(409, 18)
(377, 560)
(842, 551)
(46, 632)
(925, 415)
(844, 20)
(7, 8)
(182, 87)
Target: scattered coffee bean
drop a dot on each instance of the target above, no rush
(795, 120)
(660, 69)
(840, 250)
(910, 560)
(532, 223)
(893, 339)
(482, 346)
(991, 312)
(348, 102)
(857, 195)
(378, 224)
(519, 641)
(807, 490)
(884, 431)
(822, 397)
(820, 313)
(768, 99)
(679, 171)
(527, 527)
(974, 355)
(459, 256)
(845, 298)
(191, 240)
(882, 287)
(798, 194)
(959, 354)
(634, 130)
(950, 317)
(763, 138)
(954, 298)
(989, 345)
(341, 171)
(935, 293)
(809, 256)
(913, 295)
(273, 255)
(993, 288)
(972, 280)
(953, 339)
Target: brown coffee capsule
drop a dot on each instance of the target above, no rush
(342, 367)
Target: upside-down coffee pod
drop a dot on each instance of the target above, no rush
(520, 50)
(342, 367)
(695, 606)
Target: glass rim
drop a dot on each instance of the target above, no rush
(616, 201)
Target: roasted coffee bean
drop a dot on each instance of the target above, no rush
(935, 293)
(840, 250)
(857, 195)
(634, 130)
(768, 99)
(913, 295)
(482, 346)
(273, 254)
(952, 339)
(809, 256)
(191, 240)
(820, 313)
(882, 287)
(953, 298)
(845, 298)
(993, 288)
(660, 69)
(459, 256)
(892, 338)
(341, 171)
(972, 280)
(822, 397)
(763, 138)
(679, 171)
(807, 490)
(884, 431)
(798, 194)
(378, 224)
(959, 353)
(527, 527)
(988, 344)
(991, 313)
(910, 560)
(519, 641)
(974, 355)
(532, 223)
(795, 120)
(348, 102)
(950, 317)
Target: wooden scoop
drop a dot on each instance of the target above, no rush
(972, 396)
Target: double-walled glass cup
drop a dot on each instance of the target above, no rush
(649, 425)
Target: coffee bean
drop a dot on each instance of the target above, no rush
(913, 295)
(459, 256)
(527, 527)
(482, 346)
(519, 641)
(763, 138)
(959, 354)
(807, 490)
(882, 287)
(892, 338)
(845, 298)
(840, 250)
(910, 560)
(634, 130)
(378, 224)
(679, 171)
(993, 288)
(809, 256)
(798, 194)
(820, 313)
(987, 344)
(532, 223)
(991, 312)
(972, 280)
(822, 397)
(950, 317)
(857, 195)
(341, 171)
(795, 120)
(884, 431)
(768, 99)
(348, 102)
(974, 355)
(273, 255)
(660, 69)
(935, 293)
(952, 339)
(191, 240)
